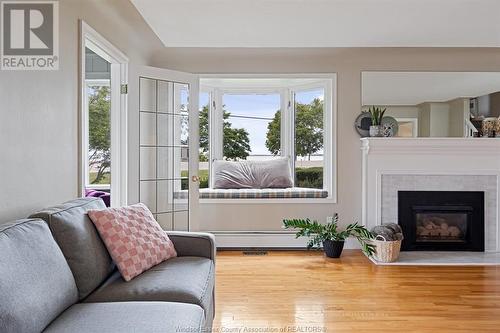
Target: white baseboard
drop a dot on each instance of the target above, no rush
(265, 240)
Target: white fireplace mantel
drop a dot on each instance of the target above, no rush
(431, 164)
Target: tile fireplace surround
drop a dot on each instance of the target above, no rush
(430, 164)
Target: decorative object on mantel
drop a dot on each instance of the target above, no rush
(489, 127)
(390, 126)
(497, 127)
(376, 127)
(387, 242)
(329, 236)
(363, 123)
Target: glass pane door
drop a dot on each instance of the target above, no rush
(164, 151)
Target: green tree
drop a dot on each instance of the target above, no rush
(204, 138)
(99, 132)
(308, 129)
(236, 143)
(273, 136)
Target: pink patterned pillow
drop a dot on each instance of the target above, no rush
(134, 239)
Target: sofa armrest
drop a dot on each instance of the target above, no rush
(196, 244)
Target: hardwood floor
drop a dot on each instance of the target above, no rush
(299, 291)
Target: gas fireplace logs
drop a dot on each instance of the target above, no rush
(437, 227)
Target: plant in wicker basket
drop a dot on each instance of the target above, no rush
(329, 236)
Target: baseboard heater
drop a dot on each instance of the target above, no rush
(263, 241)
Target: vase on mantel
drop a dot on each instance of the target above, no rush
(376, 131)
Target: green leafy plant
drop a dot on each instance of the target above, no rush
(377, 114)
(317, 232)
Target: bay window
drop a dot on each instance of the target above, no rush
(259, 119)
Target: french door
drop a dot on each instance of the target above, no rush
(168, 146)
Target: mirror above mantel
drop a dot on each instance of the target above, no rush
(436, 104)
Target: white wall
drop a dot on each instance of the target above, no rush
(424, 121)
(398, 111)
(348, 63)
(440, 120)
(459, 111)
(39, 109)
(402, 111)
(434, 120)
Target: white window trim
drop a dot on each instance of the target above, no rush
(211, 126)
(329, 83)
(119, 76)
(328, 141)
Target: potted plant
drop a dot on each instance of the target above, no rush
(329, 236)
(376, 114)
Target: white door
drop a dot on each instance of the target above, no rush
(168, 146)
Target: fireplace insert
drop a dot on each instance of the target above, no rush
(442, 220)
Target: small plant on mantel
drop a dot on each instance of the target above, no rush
(376, 114)
(328, 235)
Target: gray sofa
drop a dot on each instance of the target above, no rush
(57, 276)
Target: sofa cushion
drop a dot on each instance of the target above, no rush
(36, 283)
(79, 240)
(134, 239)
(144, 317)
(181, 279)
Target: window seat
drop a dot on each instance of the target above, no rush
(265, 193)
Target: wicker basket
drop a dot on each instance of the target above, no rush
(386, 251)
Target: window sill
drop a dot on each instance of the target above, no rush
(293, 201)
(98, 187)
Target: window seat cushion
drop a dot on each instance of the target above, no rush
(265, 193)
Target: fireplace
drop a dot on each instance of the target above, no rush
(441, 220)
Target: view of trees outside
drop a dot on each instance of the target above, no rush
(252, 130)
(308, 130)
(309, 138)
(251, 113)
(99, 102)
(236, 141)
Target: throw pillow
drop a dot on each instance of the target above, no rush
(134, 239)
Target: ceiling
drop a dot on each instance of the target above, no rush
(323, 23)
(412, 88)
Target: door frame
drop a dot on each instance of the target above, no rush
(194, 87)
(119, 78)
